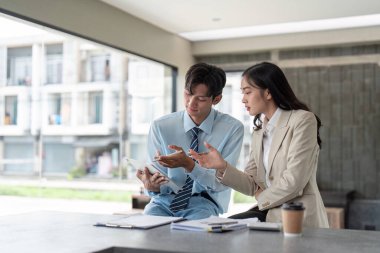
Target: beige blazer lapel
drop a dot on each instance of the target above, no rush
(259, 157)
(278, 136)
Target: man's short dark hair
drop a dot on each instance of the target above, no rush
(211, 76)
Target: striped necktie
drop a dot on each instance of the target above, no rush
(181, 199)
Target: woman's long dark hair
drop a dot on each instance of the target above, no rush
(269, 76)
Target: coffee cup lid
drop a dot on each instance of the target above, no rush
(293, 206)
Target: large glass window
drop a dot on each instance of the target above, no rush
(231, 103)
(100, 112)
(149, 92)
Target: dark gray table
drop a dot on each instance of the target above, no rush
(70, 232)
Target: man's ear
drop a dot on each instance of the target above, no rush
(217, 99)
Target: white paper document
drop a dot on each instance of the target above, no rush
(141, 221)
(153, 169)
(213, 224)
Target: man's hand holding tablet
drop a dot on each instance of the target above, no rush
(152, 176)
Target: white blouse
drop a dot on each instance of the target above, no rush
(269, 127)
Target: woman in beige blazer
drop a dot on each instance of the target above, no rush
(284, 151)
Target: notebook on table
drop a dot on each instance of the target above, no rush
(139, 221)
(212, 224)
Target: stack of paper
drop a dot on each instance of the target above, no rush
(138, 221)
(212, 224)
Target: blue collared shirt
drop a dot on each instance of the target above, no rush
(222, 131)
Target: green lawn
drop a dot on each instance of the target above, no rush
(41, 192)
(241, 198)
(102, 195)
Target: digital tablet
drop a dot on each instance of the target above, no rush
(141, 165)
(152, 169)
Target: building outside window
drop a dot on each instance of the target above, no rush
(100, 68)
(55, 109)
(89, 108)
(54, 62)
(95, 108)
(10, 115)
(95, 65)
(59, 109)
(19, 66)
(66, 109)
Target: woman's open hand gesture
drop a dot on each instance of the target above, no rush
(211, 159)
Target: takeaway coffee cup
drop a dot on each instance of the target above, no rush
(292, 218)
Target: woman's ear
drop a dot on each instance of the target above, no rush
(268, 95)
(217, 99)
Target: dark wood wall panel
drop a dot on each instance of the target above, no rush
(314, 89)
(347, 99)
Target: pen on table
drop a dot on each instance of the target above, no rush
(222, 223)
(215, 229)
(112, 225)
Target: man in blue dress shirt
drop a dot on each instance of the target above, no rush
(171, 136)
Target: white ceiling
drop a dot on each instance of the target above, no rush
(209, 19)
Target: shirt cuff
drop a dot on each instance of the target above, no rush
(219, 175)
(197, 171)
(164, 189)
(151, 194)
